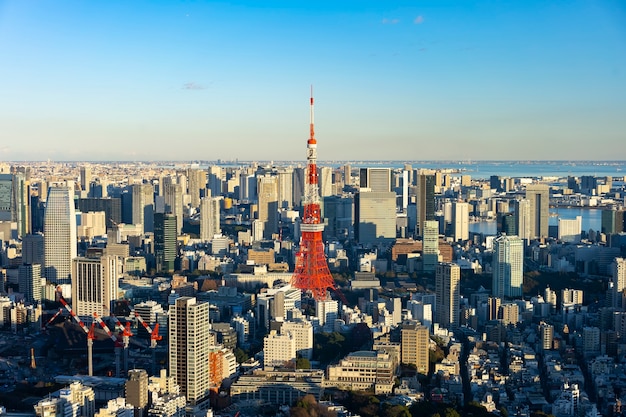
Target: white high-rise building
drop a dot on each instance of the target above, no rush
(460, 220)
(278, 349)
(285, 187)
(326, 311)
(618, 271)
(95, 285)
(302, 333)
(522, 218)
(570, 229)
(60, 244)
(30, 282)
(196, 184)
(447, 290)
(189, 348)
(326, 181)
(508, 266)
(210, 217)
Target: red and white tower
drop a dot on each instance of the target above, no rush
(311, 271)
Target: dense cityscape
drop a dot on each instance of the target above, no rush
(243, 289)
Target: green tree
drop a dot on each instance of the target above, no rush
(395, 411)
(303, 363)
(241, 355)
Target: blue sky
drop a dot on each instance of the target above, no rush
(148, 80)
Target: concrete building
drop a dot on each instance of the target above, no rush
(143, 206)
(523, 220)
(363, 371)
(425, 195)
(415, 339)
(570, 229)
(189, 348)
(137, 388)
(95, 285)
(278, 349)
(447, 290)
(210, 217)
(460, 221)
(539, 197)
(375, 216)
(30, 284)
(376, 179)
(302, 332)
(267, 187)
(278, 387)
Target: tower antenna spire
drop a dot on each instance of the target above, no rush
(312, 118)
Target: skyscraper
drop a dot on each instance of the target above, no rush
(430, 248)
(508, 266)
(196, 185)
(285, 187)
(210, 217)
(173, 194)
(189, 348)
(539, 197)
(522, 219)
(460, 221)
(59, 235)
(618, 272)
(165, 235)
(267, 187)
(85, 178)
(447, 290)
(20, 203)
(425, 194)
(94, 285)
(33, 249)
(6, 196)
(29, 277)
(143, 206)
(374, 216)
(376, 179)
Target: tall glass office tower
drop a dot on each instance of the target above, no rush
(59, 235)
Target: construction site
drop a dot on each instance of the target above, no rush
(33, 357)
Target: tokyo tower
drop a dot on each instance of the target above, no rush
(311, 271)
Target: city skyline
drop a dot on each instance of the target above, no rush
(166, 81)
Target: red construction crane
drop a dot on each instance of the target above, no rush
(91, 335)
(45, 326)
(116, 341)
(69, 309)
(154, 338)
(154, 333)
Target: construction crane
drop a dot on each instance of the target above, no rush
(116, 341)
(91, 336)
(45, 326)
(154, 338)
